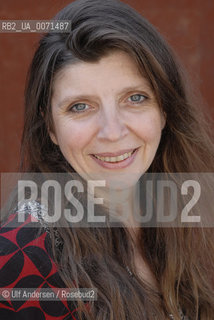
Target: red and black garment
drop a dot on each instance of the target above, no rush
(26, 262)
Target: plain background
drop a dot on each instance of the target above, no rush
(186, 24)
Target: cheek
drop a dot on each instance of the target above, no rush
(148, 127)
(73, 136)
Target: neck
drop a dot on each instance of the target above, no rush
(121, 205)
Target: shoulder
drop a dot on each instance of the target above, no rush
(26, 262)
(20, 239)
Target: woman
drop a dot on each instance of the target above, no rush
(108, 101)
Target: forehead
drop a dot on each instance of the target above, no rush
(109, 73)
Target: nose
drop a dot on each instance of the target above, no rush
(111, 126)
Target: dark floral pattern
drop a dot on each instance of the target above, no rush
(26, 263)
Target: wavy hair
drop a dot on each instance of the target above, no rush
(182, 260)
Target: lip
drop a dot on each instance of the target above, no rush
(116, 165)
(115, 154)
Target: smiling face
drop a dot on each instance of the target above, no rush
(107, 122)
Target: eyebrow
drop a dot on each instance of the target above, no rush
(69, 98)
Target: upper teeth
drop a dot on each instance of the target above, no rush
(115, 159)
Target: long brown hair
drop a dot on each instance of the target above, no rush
(182, 260)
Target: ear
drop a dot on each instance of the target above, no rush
(163, 119)
(51, 133)
(53, 137)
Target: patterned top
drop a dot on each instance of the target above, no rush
(26, 262)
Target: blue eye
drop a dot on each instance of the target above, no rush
(79, 107)
(137, 98)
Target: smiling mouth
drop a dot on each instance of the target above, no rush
(119, 158)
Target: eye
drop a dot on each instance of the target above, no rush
(79, 107)
(137, 98)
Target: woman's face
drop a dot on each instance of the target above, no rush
(107, 122)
